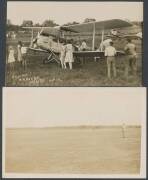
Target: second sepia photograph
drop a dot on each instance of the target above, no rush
(74, 132)
(51, 43)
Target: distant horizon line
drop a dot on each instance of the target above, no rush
(79, 126)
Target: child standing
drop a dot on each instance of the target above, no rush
(11, 58)
(19, 54)
(69, 54)
(62, 55)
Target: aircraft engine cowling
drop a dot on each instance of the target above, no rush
(47, 43)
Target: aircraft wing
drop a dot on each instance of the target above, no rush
(88, 54)
(77, 53)
(40, 27)
(127, 36)
(93, 53)
(51, 29)
(37, 50)
(132, 36)
(99, 25)
(80, 53)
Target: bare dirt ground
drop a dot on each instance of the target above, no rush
(83, 150)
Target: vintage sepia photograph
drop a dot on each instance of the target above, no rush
(73, 105)
(74, 132)
(74, 43)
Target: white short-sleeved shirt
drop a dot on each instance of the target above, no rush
(24, 50)
(11, 57)
(114, 32)
(106, 42)
(83, 45)
(139, 35)
(110, 51)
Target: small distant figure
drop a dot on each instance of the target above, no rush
(114, 32)
(24, 52)
(110, 53)
(77, 46)
(131, 58)
(19, 53)
(11, 58)
(7, 35)
(62, 55)
(69, 54)
(83, 46)
(13, 35)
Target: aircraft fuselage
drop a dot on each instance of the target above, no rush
(48, 43)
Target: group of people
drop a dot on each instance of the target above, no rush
(66, 55)
(11, 35)
(21, 56)
(110, 52)
(130, 60)
(67, 49)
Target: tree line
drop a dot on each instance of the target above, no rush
(46, 23)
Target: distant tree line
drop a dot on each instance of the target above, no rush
(46, 23)
(29, 23)
(11, 27)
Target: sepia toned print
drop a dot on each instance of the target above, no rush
(74, 43)
(68, 137)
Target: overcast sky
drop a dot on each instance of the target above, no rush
(45, 107)
(63, 12)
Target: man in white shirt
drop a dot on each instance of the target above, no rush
(105, 44)
(110, 53)
(83, 46)
(24, 52)
(114, 32)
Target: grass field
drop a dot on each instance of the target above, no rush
(73, 150)
(90, 74)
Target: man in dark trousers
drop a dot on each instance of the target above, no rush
(110, 53)
(131, 58)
